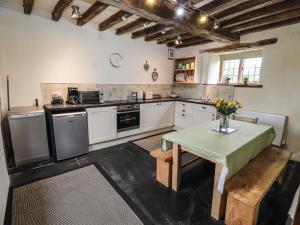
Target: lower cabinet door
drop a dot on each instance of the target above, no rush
(102, 124)
(148, 116)
(200, 117)
(165, 114)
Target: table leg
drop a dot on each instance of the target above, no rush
(176, 173)
(219, 200)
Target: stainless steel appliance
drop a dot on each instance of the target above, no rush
(90, 97)
(128, 117)
(28, 136)
(70, 134)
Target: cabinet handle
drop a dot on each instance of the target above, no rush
(183, 115)
(183, 104)
(203, 107)
(183, 110)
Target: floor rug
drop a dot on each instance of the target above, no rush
(82, 197)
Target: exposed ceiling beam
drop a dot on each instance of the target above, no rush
(243, 8)
(161, 36)
(59, 8)
(260, 13)
(131, 26)
(186, 41)
(218, 6)
(91, 12)
(272, 26)
(113, 20)
(243, 46)
(164, 13)
(194, 2)
(147, 31)
(201, 42)
(172, 39)
(28, 5)
(267, 20)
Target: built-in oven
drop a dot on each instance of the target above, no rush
(128, 117)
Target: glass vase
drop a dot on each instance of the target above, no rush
(224, 122)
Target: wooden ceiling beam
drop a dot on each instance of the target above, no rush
(217, 6)
(242, 46)
(194, 2)
(113, 20)
(264, 12)
(244, 8)
(186, 41)
(164, 13)
(172, 39)
(131, 26)
(91, 12)
(59, 8)
(161, 36)
(272, 26)
(28, 5)
(200, 42)
(148, 31)
(267, 20)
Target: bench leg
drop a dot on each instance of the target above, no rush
(219, 200)
(240, 213)
(164, 172)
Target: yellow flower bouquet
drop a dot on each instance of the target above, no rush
(227, 108)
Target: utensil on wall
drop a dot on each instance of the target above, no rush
(154, 75)
(146, 66)
(7, 91)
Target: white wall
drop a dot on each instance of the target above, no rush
(35, 49)
(280, 77)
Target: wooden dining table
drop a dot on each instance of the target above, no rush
(229, 152)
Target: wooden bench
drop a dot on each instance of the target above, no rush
(246, 189)
(164, 160)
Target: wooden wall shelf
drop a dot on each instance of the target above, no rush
(184, 70)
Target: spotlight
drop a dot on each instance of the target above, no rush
(75, 12)
(179, 11)
(178, 41)
(150, 2)
(163, 31)
(146, 24)
(216, 25)
(203, 18)
(124, 17)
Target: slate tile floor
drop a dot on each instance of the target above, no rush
(133, 170)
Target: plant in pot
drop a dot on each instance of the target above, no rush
(246, 80)
(226, 108)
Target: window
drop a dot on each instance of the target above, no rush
(240, 65)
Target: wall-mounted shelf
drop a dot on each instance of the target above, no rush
(184, 70)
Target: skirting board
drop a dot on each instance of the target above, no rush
(106, 144)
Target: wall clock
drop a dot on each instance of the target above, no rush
(116, 60)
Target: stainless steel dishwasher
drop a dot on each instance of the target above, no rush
(28, 135)
(70, 134)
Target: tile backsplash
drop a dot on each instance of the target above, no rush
(122, 91)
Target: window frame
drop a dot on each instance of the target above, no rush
(240, 73)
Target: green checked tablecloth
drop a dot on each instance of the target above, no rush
(233, 151)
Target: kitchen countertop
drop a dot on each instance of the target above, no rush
(25, 110)
(67, 107)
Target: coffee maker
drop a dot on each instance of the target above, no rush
(73, 96)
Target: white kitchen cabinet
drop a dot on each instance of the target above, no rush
(165, 114)
(148, 117)
(190, 114)
(102, 124)
(156, 116)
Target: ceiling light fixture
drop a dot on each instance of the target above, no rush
(216, 25)
(150, 2)
(203, 18)
(178, 41)
(179, 11)
(75, 12)
(124, 17)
